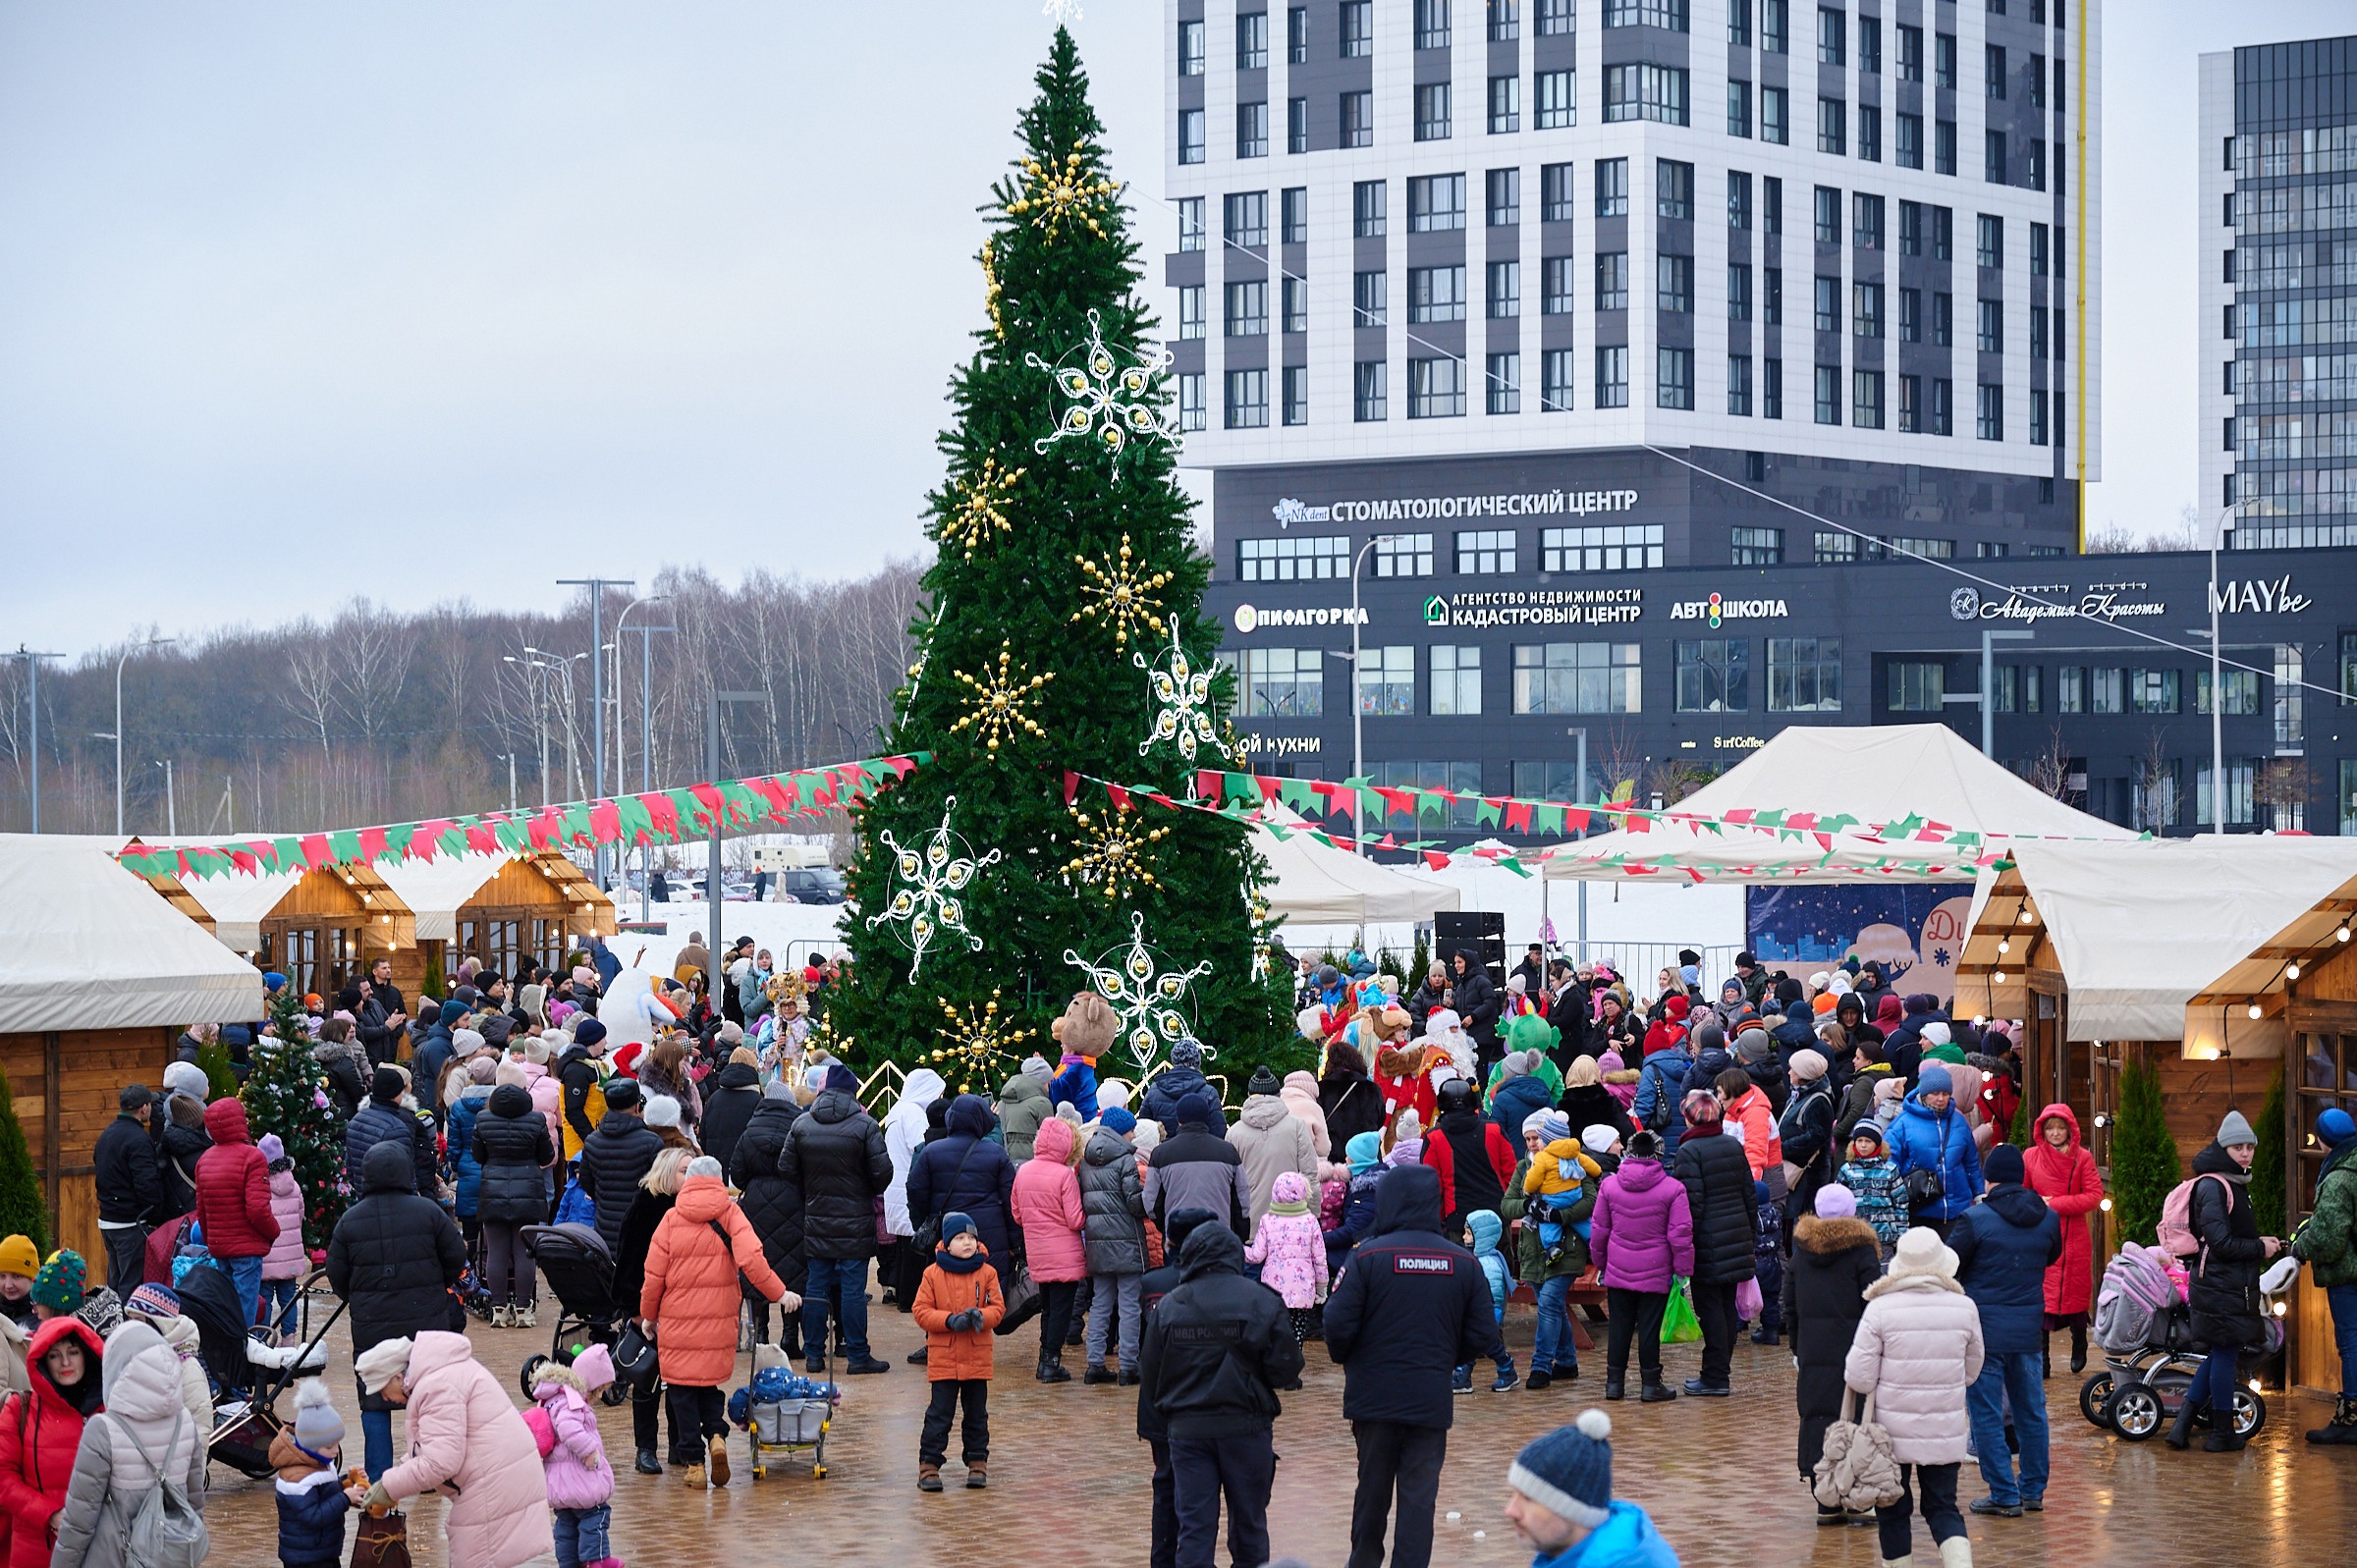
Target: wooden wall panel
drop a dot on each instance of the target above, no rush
(2332, 980)
(75, 1094)
(2198, 1095)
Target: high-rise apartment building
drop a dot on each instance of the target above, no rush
(2278, 292)
(1459, 265)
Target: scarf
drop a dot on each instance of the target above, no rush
(951, 1264)
(1298, 1207)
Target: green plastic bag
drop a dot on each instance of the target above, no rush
(1679, 1326)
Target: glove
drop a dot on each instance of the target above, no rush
(2279, 1275)
(380, 1501)
(965, 1323)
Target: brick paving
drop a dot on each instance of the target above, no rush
(1070, 1481)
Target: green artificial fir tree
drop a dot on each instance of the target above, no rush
(285, 1093)
(2267, 1165)
(2144, 1157)
(220, 1077)
(2021, 1132)
(1064, 644)
(23, 1210)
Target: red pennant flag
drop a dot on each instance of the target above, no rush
(605, 820)
(1268, 789)
(1576, 819)
(777, 792)
(1386, 841)
(1337, 797)
(372, 844)
(1518, 816)
(1119, 796)
(1801, 821)
(1161, 799)
(662, 814)
(1071, 786)
(1435, 860)
(315, 851)
(1397, 801)
(1209, 781)
(482, 838)
(707, 800)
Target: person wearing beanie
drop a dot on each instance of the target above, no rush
(1916, 1351)
(662, 1114)
(579, 1480)
(690, 1305)
(288, 1259)
(19, 1262)
(730, 1096)
(312, 1498)
(835, 1157)
(1932, 1146)
(1269, 1140)
(61, 1283)
(1559, 1498)
(2223, 1294)
(1167, 1087)
(617, 1154)
(1877, 1193)
(1804, 1131)
(1722, 1199)
(2326, 1242)
(384, 1119)
(129, 1188)
(959, 1306)
(2059, 1169)
(2003, 1245)
(580, 1083)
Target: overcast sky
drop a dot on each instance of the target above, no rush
(303, 301)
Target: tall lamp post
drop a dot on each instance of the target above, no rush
(1358, 836)
(33, 694)
(2217, 695)
(712, 773)
(597, 693)
(152, 642)
(646, 746)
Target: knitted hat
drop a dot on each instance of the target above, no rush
(1890, 1088)
(1036, 1067)
(841, 1077)
(387, 1083)
(19, 1255)
(1922, 1252)
(537, 1048)
(1569, 1471)
(703, 1165)
(1189, 1054)
(732, 1033)
(1644, 1143)
(955, 1224)
(455, 1012)
(2234, 1130)
(1119, 1120)
(1867, 1128)
(273, 1147)
(2003, 1163)
(661, 1110)
(1933, 1081)
(588, 1033)
(1516, 1064)
(1708, 1035)
(1599, 1139)
(1937, 1034)
(62, 1282)
(2336, 1127)
(381, 1363)
(1557, 1125)
(1807, 1066)
(1701, 1108)
(777, 1088)
(154, 1301)
(1536, 1122)
(1149, 1136)
(1753, 1045)
(465, 1042)
(1263, 1082)
(1197, 1107)
(621, 1095)
(1835, 1201)
(185, 1078)
(317, 1427)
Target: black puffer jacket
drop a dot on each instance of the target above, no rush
(178, 1149)
(639, 1221)
(393, 1255)
(1833, 1263)
(1477, 1000)
(727, 1107)
(380, 1121)
(1217, 1349)
(770, 1199)
(836, 1156)
(1352, 1104)
(2224, 1293)
(513, 1146)
(1724, 1207)
(963, 1171)
(615, 1155)
(1112, 1204)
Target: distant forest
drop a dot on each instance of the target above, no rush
(375, 716)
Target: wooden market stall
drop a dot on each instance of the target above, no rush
(499, 908)
(98, 977)
(322, 929)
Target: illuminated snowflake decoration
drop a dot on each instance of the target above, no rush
(1182, 704)
(928, 882)
(978, 514)
(1000, 700)
(1149, 1001)
(973, 1039)
(1111, 402)
(1111, 855)
(924, 657)
(1120, 595)
(1056, 197)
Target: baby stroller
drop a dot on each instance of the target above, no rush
(2150, 1355)
(579, 1268)
(245, 1426)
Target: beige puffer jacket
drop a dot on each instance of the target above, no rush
(1917, 1349)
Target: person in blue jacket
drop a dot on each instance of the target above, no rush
(1798, 1031)
(1560, 1497)
(1660, 1087)
(2003, 1245)
(1930, 1133)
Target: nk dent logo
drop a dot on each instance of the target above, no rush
(1436, 611)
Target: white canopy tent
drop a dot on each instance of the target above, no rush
(1876, 775)
(1316, 883)
(435, 888)
(86, 944)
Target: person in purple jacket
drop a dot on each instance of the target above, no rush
(1641, 1238)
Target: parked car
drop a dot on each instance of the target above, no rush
(814, 884)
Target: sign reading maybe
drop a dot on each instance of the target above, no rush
(1545, 607)
(2259, 596)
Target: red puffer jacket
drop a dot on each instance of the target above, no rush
(233, 1187)
(39, 1434)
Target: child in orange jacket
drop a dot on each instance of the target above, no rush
(958, 1306)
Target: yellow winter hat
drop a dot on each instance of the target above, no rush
(19, 1255)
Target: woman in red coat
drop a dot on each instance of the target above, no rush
(2060, 1170)
(40, 1434)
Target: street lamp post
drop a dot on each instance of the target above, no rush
(539, 728)
(597, 693)
(1358, 836)
(712, 773)
(33, 694)
(2217, 695)
(171, 800)
(622, 772)
(152, 642)
(646, 746)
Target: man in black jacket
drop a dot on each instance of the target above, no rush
(615, 1157)
(385, 1119)
(835, 1157)
(130, 1189)
(774, 1206)
(1151, 1427)
(1725, 1208)
(395, 1257)
(1212, 1358)
(1411, 1307)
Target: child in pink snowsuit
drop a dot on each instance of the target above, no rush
(580, 1483)
(1290, 1249)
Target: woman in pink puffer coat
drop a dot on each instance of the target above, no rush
(1046, 1204)
(1916, 1350)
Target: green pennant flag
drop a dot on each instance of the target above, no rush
(1487, 813)
(1298, 793)
(1547, 821)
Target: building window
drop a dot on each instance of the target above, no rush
(1457, 679)
(1805, 675)
(1944, 319)
(1504, 289)
(1190, 223)
(1252, 40)
(1432, 24)
(1738, 384)
(1190, 311)
(1253, 130)
(1828, 305)
(1870, 47)
(1248, 400)
(1281, 682)
(1910, 53)
(2290, 697)
(1993, 69)
(1866, 399)
(1829, 395)
(1944, 147)
(1296, 35)
(1386, 680)
(1624, 547)
(2070, 689)
(1990, 422)
(1292, 558)
(1775, 116)
(1436, 386)
(2107, 690)
(1910, 405)
(1738, 107)
(1555, 18)
(1866, 222)
(1248, 309)
(1190, 48)
(1870, 132)
(1738, 21)
(1738, 291)
(1505, 21)
(1432, 110)
(1910, 315)
(1296, 304)
(1436, 294)
(1557, 94)
(1296, 395)
(1358, 28)
(1503, 380)
(1579, 677)
(1943, 60)
(1368, 201)
(1297, 124)
(1190, 135)
(1436, 204)
(1828, 216)
(2037, 418)
(1832, 125)
(1645, 91)
(1368, 300)
(1506, 105)
(1611, 377)
(1833, 36)
(1666, 14)
(1403, 554)
(1756, 547)
(1554, 382)
(1358, 119)
(1918, 687)
(1771, 297)
(1771, 389)
(1739, 201)
(1612, 280)
(1866, 310)
(1367, 392)
(1674, 381)
(1245, 219)
(1908, 152)
(1293, 209)
(1674, 284)
(1191, 400)
(2154, 691)
(1504, 191)
(1989, 246)
(1944, 417)
(2348, 670)
(1485, 551)
(1993, 157)
(2239, 774)
(1612, 188)
(1831, 549)
(1555, 193)
(1673, 190)
(1713, 676)
(2020, 689)
(1776, 28)
(2241, 687)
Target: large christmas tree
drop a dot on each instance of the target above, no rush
(1063, 645)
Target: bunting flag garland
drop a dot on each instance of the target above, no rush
(659, 816)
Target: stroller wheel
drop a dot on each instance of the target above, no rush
(616, 1392)
(531, 1372)
(2134, 1411)
(2250, 1412)
(2094, 1394)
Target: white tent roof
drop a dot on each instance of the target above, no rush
(434, 889)
(86, 944)
(1876, 775)
(1317, 883)
(2141, 929)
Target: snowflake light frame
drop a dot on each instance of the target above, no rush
(932, 875)
(1182, 703)
(1111, 402)
(1148, 999)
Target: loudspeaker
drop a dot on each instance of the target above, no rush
(1482, 929)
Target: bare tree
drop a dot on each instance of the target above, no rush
(2049, 771)
(2156, 787)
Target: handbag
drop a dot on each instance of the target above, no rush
(1928, 1187)
(381, 1542)
(1021, 1297)
(635, 1354)
(1679, 1326)
(1747, 1297)
(1857, 1471)
(928, 1233)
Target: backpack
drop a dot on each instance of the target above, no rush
(2137, 1296)
(162, 1529)
(2176, 1230)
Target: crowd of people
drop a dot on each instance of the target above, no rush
(1813, 1162)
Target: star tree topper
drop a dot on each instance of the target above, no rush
(1147, 999)
(932, 877)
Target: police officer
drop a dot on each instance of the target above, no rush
(1410, 1309)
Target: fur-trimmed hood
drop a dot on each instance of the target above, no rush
(1828, 1236)
(1626, 1075)
(551, 1375)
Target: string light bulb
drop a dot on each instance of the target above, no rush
(2004, 944)
(2106, 1206)
(2255, 1010)
(2343, 933)
(2291, 971)
(1996, 977)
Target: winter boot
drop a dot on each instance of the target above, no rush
(524, 1315)
(916, 1357)
(718, 1449)
(649, 1463)
(977, 1475)
(1656, 1393)
(1540, 1377)
(1051, 1368)
(1460, 1381)
(2224, 1438)
(2180, 1431)
(1098, 1374)
(1615, 1388)
(928, 1477)
(1829, 1514)
(1128, 1377)
(1956, 1552)
(1506, 1376)
(1908, 1561)
(2341, 1429)
(693, 1476)
(500, 1318)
